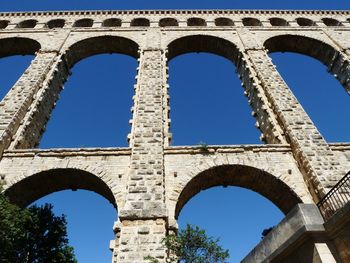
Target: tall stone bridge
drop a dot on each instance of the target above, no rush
(150, 181)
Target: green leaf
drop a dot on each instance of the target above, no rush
(33, 235)
(192, 245)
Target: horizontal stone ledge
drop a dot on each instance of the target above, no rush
(168, 150)
(208, 29)
(177, 12)
(142, 214)
(211, 149)
(68, 152)
(341, 146)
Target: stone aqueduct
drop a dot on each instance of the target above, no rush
(150, 181)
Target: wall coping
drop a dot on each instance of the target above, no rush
(175, 12)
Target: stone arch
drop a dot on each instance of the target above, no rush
(250, 21)
(46, 182)
(99, 45)
(327, 53)
(4, 24)
(276, 21)
(18, 46)
(196, 21)
(85, 22)
(142, 22)
(31, 23)
(304, 45)
(203, 43)
(248, 177)
(218, 46)
(112, 22)
(331, 22)
(302, 21)
(223, 21)
(55, 23)
(71, 54)
(168, 21)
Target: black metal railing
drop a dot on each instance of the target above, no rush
(336, 198)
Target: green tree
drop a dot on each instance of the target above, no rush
(33, 235)
(12, 234)
(192, 245)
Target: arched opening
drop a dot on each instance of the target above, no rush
(38, 185)
(102, 86)
(18, 46)
(223, 21)
(250, 21)
(141, 22)
(4, 24)
(90, 218)
(16, 54)
(276, 21)
(243, 176)
(238, 215)
(308, 79)
(165, 22)
(303, 45)
(100, 45)
(207, 104)
(112, 22)
(31, 23)
(196, 21)
(55, 23)
(305, 22)
(203, 43)
(85, 22)
(331, 22)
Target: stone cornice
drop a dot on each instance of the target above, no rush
(173, 12)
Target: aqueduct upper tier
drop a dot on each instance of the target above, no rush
(149, 182)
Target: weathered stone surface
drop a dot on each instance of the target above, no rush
(150, 182)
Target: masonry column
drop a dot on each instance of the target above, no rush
(311, 151)
(143, 218)
(16, 103)
(33, 125)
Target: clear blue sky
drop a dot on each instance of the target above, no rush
(206, 106)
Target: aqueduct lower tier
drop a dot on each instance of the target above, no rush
(149, 182)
